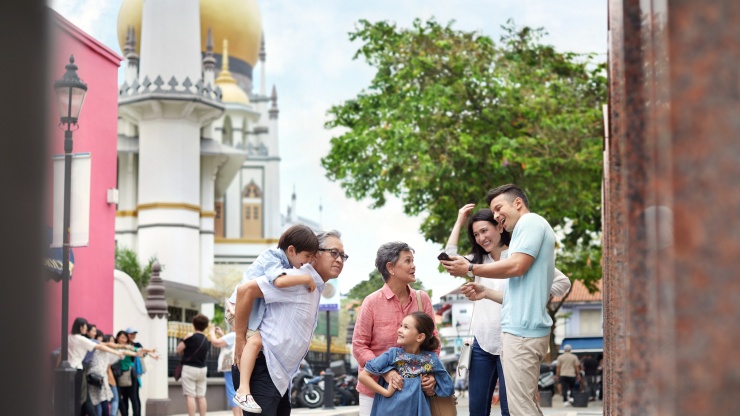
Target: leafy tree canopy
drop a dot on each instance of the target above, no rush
(451, 114)
(375, 282)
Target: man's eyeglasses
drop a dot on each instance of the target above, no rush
(335, 253)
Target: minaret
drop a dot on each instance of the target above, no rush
(170, 40)
(272, 173)
(321, 212)
(170, 108)
(293, 203)
(274, 109)
(209, 62)
(263, 55)
(131, 72)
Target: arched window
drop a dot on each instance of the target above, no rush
(251, 210)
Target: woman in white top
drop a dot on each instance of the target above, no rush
(489, 243)
(77, 347)
(225, 361)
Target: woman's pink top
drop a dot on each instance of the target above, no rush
(377, 325)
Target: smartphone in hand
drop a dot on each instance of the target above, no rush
(444, 256)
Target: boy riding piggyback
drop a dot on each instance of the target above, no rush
(296, 246)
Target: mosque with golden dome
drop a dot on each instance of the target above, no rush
(198, 155)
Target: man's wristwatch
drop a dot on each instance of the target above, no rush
(470, 270)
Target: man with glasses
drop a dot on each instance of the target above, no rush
(287, 326)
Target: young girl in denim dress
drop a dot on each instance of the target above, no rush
(413, 359)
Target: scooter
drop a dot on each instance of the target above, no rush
(298, 382)
(311, 394)
(546, 380)
(345, 391)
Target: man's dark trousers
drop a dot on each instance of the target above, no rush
(263, 390)
(567, 384)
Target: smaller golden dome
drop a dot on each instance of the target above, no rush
(231, 92)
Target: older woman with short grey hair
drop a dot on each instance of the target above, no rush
(382, 312)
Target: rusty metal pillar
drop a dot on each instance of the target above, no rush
(671, 190)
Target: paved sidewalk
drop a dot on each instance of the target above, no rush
(557, 409)
(302, 411)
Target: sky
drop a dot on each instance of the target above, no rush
(309, 60)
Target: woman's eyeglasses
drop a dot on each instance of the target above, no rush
(335, 253)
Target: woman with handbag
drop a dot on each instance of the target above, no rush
(489, 242)
(111, 375)
(125, 381)
(78, 345)
(225, 360)
(383, 311)
(194, 349)
(98, 389)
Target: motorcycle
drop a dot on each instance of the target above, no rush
(546, 381)
(298, 382)
(311, 394)
(345, 391)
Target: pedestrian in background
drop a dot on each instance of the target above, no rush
(591, 373)
(194, 348)
(568, 373)
(225, 361)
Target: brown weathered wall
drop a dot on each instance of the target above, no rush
(672, 208)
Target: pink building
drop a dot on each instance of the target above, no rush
(91, 287)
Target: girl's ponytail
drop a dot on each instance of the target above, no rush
(425, 325)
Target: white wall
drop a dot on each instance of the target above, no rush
(129, 310)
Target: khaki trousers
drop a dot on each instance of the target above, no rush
(521, 358)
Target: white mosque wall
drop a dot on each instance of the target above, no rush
(127, 178)
(129, 310)
(232, 213)
(170, 44)
(177, 248)
(169, 161)
(209, 166)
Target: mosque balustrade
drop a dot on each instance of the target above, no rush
(172, 87)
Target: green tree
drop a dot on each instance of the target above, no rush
(127, 261)
(375, 282)
(451, 114)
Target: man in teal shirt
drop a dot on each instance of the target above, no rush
(524, 319)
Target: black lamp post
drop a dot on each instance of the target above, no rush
(70, 92)
(351, 326)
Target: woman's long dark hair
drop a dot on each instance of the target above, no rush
(119, 334)
(477, 251)
(77, 326)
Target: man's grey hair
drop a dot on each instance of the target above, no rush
(567, 348)
(322, 236)
(389, 252)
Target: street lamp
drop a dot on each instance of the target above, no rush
(70, 92)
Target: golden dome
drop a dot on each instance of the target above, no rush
(236, 20)
(230, 90)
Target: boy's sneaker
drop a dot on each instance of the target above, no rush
(247, 403)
